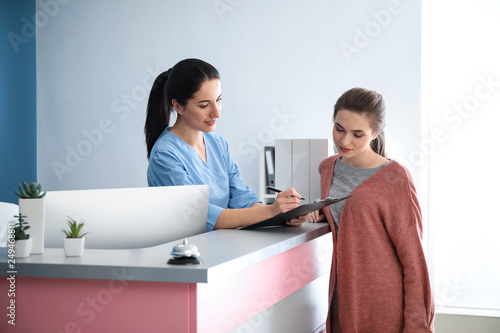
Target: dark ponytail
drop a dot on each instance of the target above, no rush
(180, 82)
(369, 103)
(158, 111)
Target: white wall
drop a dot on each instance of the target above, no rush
(283, 64)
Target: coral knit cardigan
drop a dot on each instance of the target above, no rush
(383, 281)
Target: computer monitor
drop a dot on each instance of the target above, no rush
(128, 218)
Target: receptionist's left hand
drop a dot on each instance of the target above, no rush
(298, 221)
(316, 216)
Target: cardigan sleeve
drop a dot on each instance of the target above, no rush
(404, 225)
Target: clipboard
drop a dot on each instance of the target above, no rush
(282, 218)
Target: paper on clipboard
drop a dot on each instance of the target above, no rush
(282, 218)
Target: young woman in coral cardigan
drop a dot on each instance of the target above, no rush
(379, 279)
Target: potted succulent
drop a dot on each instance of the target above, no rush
(32, 203)
(23, 241)
(74, 242)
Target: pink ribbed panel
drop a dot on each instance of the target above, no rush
(82, 305)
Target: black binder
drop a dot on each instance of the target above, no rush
(282, 218)
(270, 171)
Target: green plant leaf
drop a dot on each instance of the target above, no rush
(20, 227)
(23, 192)
(31, 190)
(74, 229)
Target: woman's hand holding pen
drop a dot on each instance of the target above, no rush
(286, 200)
(290, 199)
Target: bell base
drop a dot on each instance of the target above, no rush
(184, 261)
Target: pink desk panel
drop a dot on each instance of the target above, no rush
(56, 305)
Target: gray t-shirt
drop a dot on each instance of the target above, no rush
(344, 180)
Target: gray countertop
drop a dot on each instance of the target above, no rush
(223, 252)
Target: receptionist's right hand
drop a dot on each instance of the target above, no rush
(286, 200)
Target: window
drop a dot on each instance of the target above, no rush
(461, 105)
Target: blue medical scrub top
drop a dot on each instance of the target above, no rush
(174, 162)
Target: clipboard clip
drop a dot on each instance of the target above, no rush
(330, 199)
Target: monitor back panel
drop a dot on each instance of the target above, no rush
(128, 218)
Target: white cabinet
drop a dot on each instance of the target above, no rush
(297, 162)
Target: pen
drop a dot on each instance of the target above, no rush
(274, 189)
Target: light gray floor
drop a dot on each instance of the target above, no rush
(292, 314)
(466, 324)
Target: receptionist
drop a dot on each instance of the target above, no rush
(190, 153)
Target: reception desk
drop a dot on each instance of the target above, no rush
(267, 280)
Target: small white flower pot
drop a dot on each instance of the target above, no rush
(73, 247)
(34, 209)
(23, 248)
